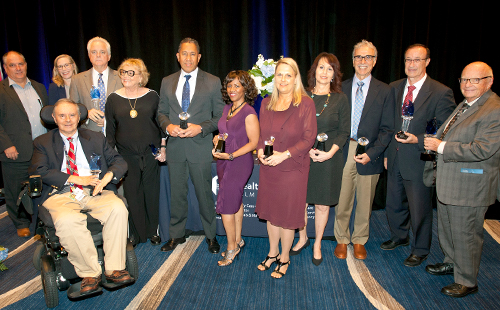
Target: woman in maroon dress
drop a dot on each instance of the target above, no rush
(234, 166)
(289, 117)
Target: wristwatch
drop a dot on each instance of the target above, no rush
(231, 156)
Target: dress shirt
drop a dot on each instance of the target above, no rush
(95, 78)
(80, 159)
(365, 88)
(32, 105)
(192, 85)
(417, 85)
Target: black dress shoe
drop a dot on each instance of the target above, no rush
(317, 262)
(414, 260)
(172, 244)
(391, 245)
(213, 245)
(292, 252)
(155, 240)
(440, 269)
(458, 290)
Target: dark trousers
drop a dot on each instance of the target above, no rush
(141, 187)
(415, 212)
(201, 176)
(14, 174)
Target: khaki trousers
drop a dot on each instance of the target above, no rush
(71, 228)
(363, 186)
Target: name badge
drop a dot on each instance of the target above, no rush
(77, 194)
(473, 171)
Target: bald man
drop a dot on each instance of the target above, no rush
(468, 160)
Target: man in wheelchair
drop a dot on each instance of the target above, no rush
(62, 157)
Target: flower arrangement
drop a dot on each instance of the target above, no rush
(263, 74)
(4, 253)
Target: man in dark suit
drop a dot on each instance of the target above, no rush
(408, 199)
(196, 92)
(468, 160)
(101, 76)
(372, 117)
(62, 157)
(20, 102)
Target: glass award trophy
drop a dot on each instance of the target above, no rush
(430, 132)
(154, 150)
(221, 143)
(322, 137)
(268, 150)
(184, 117)
(407, 117)
(362, 143)
(95, 166)
(95, 96)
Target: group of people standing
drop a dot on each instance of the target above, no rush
(315, 131)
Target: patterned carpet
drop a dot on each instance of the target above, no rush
(189, 278)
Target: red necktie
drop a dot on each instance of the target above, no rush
(71, 167)
(409, 97)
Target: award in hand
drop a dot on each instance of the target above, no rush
(430, 132)
(322, 137)
(95, 165)
(183, 116)
(95, 95)
(155, 151)
(361, 148)
(268, 150)
(221, 143)
(407, 117)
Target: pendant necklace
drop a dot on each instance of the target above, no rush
(324, 105)
(230, 115)
(133, 111)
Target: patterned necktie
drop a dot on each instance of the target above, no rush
(454, 119)
(358, 109)
(71, 167)
(408, 98)
(102, 92)
(186, 94)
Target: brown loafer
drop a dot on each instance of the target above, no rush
(359, 251)
(23, 232)
(90, 285)
(119, 276)
(341, 251)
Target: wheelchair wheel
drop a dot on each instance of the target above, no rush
(37, 255)
(131, 264)
(50, 289)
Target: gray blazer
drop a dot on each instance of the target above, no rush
(15, 127)
(467, 171)
(205, 110)
(79, 91)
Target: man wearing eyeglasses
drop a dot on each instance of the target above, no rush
(20, 102)
(408, 202)
(101, 76)
(372, 117)
(468, 160)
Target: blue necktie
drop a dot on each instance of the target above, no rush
(102, 93)
(358, 109)
(186, 94)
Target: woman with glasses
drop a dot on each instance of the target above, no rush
(64, 69)
(131, 126)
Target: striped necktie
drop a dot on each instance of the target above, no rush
(71, 167)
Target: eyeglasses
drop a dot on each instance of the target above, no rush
(367, 57)
(65, 66)
(127, 72)
(415, 61)
(473, 80)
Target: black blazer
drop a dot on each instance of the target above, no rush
(433, 100)
(376, 123)
(56, 93)
(49, 155)
(15, 127)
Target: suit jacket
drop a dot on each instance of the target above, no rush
(56, 93)
(79, 91)
(205, 109)
(467, 171)
(376, 123)
(433, 100)
(15, 127)
(49, 154)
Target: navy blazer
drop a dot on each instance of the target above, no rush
(376, 123)
(56, 93)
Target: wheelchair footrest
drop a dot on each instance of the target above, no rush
(74, 292)
(111, 286)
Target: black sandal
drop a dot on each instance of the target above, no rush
(278, 268)
(276, 260)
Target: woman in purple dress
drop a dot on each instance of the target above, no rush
(289, 117)
(240, 126)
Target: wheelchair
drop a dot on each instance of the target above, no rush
(51, 259)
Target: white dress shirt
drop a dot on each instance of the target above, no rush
(192, 85)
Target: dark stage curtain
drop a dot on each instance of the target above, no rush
(232, 33)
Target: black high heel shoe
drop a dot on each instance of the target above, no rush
(278, 269)
(276, 260)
